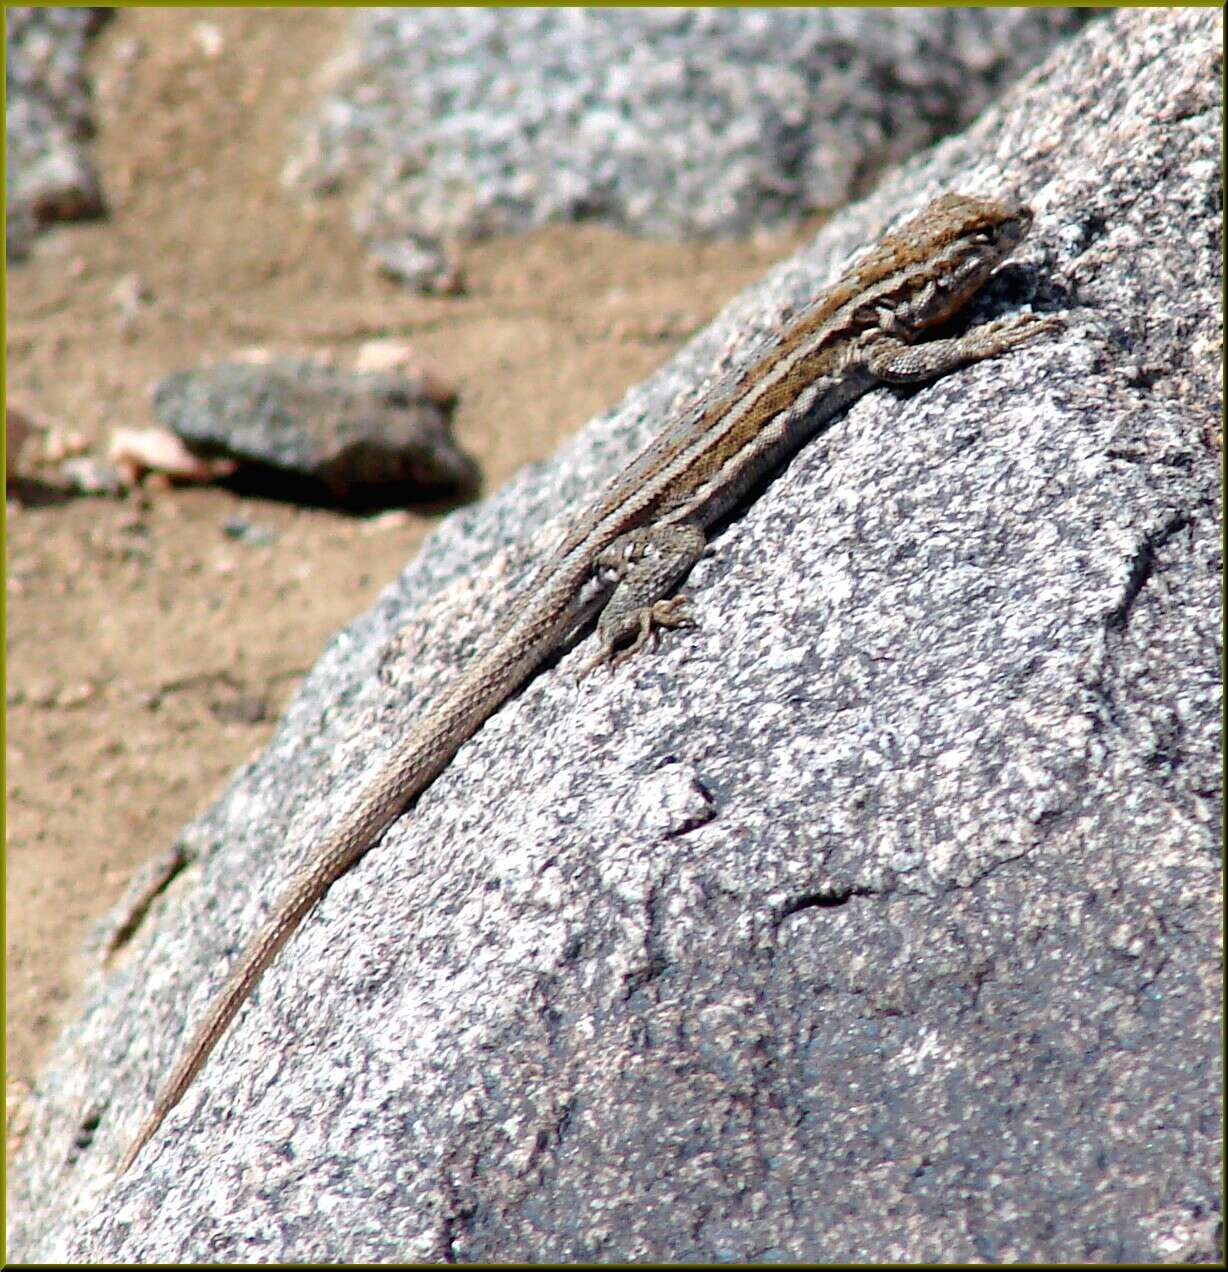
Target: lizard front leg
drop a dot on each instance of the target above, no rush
(895, 361)
(646, 564)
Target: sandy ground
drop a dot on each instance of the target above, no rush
(148, 653)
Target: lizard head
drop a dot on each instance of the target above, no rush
(942, 257)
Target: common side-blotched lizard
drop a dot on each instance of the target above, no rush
(628, 549)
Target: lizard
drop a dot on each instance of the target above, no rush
(627, 550)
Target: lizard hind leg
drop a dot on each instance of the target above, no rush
(646, 563)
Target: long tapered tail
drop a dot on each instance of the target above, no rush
(355, 836)
(533, 630)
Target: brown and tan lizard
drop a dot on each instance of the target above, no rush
(627, 550)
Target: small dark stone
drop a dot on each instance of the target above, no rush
(316, 434)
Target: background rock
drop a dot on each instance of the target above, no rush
(49, 175)
(877, 918)
(469, 122)
(302, 429)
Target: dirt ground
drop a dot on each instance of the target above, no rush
(149, 653)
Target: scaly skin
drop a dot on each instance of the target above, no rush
(630, 547)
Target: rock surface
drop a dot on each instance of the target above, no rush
(469, 122)
(49, 175)
(301, 429)
(874, 920)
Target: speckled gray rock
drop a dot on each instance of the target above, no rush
(49, 174)
(303, 430)
(874, 920)
(468, 122)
